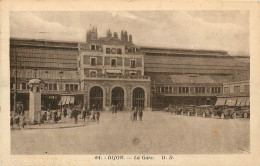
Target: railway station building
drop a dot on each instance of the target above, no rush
(112, 70)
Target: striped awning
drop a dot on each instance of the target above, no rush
(247, 102)
(67, 100)
(231, 101)
(221, 101)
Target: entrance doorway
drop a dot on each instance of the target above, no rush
(118, 97)
(138, 97)
(96, 97)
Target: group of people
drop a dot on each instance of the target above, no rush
(93, 113)
(137, 112)
(17, 118)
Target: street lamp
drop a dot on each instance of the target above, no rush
(61, 75)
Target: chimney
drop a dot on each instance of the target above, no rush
(115, 35)
(130, 38)
(125, 36)
(122, 35)
(109, 33)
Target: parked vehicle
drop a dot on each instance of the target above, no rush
(223, 111)
(204, 111)
(189, 110)
(178, 110)
(240, 111)
(169, 108)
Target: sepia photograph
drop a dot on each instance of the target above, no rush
(129, 82)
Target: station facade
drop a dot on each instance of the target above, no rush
(111, 70)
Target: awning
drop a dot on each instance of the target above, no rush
(231, 101)
(114, 71)
(247, 102)
(239, 100)
(72, 99)
(221, 101)
(67, 100)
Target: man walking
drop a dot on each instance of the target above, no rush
(97, 116)
(75, 114)
(140, 114)
(84, 114)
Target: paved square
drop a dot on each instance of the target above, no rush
(158, 133)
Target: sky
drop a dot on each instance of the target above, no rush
(217, 30)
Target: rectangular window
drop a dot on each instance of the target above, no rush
(54, 86)
(166, 89)
(158, 89)
(71, 87)
(93, 47)
(60, 87)
(170, 89)
(246, 87)
(162, 89)
(93, 61)
(133, 63)
(226, 90)
(23, 85)
(12, 86)
(119, 51)
(93, 73)
(175, 90)
(200, 89)
(113, 62)
(50, 86)
(67, 87)
(187, 89)
(46, 86)
(107, 50)
(236, 89)
(76, 87)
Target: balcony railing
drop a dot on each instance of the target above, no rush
(117, 76)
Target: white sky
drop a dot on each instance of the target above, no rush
(221, 30)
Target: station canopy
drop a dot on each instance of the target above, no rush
(221, 101)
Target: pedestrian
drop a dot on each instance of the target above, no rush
(113, 109)
(48, 115)
(16, 119)
(97, 115)
(141, 114)
(92, 115)
(11, 121)
(59, 114)
(55, 116)
(21, 120)
(117, 107)
(135, 114)
(44, 117)
(75, 114)
(84, 114)
(65, 112)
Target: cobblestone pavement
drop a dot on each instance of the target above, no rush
(158, 133)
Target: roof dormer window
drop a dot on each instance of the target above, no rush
(107, 50)
(93, 47)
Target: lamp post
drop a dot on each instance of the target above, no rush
(61, 75)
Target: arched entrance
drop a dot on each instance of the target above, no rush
(96, 96)
(118, 97)
(138, 97)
